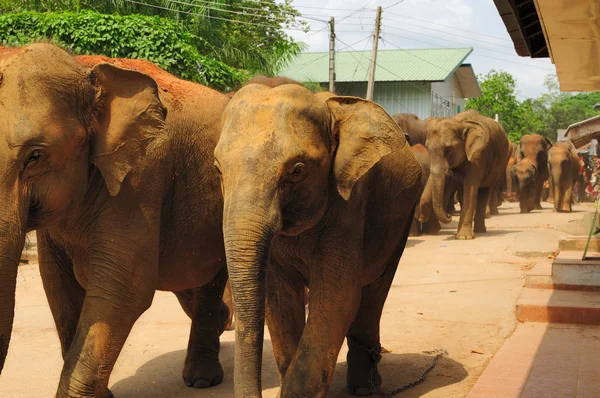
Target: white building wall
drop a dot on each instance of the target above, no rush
(449, 87)
(394, 97)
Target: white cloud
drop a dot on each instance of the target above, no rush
(478, 22)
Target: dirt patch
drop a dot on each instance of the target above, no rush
(179, 89)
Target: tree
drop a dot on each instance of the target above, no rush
(498, 96)
(162, 41)
(246, 34)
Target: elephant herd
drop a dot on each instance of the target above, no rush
(136, 181)
(501, 169)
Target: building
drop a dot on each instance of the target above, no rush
(426, 82)
(567, 31)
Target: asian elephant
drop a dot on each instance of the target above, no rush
(510, 192)
(415, 128)
(422, 156)
(114, 169)
(319, 191)
(531, 170)
(478, 148)
(563, 165)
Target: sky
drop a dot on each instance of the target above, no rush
(425, 24)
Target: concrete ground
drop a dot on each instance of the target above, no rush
(456, 295)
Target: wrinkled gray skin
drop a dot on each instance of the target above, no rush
(530, 171)
(319, 191)
(117, 177)
(563, 164)
(478, 148)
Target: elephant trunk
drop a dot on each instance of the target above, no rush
(12, 241)
(247, 233)
(424, 207)
(438, 177)
(556, 176)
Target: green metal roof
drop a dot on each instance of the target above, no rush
(431, 64)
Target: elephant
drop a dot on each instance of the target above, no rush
(509, 191)
(563, 165)
(412, 126)
(113, 168)
(531, 170)
(478, 147)
(319, 192)
(271, 81)
(422, 156)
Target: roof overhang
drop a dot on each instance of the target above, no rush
(583, 132)
(570, 31)
(524, 27)
(468, 81)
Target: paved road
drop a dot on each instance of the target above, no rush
(457, 295)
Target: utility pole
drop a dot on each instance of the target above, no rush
(371, 83)
(332, 54)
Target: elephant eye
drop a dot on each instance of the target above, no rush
(34, 156)
(298, 172)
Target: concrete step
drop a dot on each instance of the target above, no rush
(569, 271)
(577, 243)
(559, 306)
(540, 276)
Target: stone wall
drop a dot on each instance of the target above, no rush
(30, 255)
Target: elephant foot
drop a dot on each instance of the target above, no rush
(494, 212)
(362, 379)
(539, 207)
(465, 235)
(202, 374)
(107, 394)
(480, 229)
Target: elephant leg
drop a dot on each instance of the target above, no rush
(568, 199)
(335, 293)
(65, 295)
(483, 195)
(469, 205)
(432, 226)
(364, 349)
(285, 313)
(415, 228)
(209, 316)
(120, 287)
(539, 186)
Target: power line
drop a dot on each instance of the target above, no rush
(478, 48)
(450, 27)
(211, 16)
(447, 33)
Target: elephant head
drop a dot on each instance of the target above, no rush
(524, 174)
(68, 135)
(284, 156)
(452, 142)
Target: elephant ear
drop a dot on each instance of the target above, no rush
(548, 143)
(129, 115)
(365, 133)
(476, 140)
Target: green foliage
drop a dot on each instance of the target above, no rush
(162, 41)
(245, 34)
(315, 87)
(498, 97)
(544, 115)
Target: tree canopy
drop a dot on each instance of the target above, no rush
(544, 115)
(245, 34)
(162, 41)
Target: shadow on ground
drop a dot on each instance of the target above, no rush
(161, 376)
(398, 370)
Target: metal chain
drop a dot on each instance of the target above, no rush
(376, 356)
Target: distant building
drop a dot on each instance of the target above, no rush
(426, 82)
(561, 135)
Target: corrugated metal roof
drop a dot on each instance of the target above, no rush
(431, 64)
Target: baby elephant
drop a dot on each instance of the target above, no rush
(319, 191)
(563, 164)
